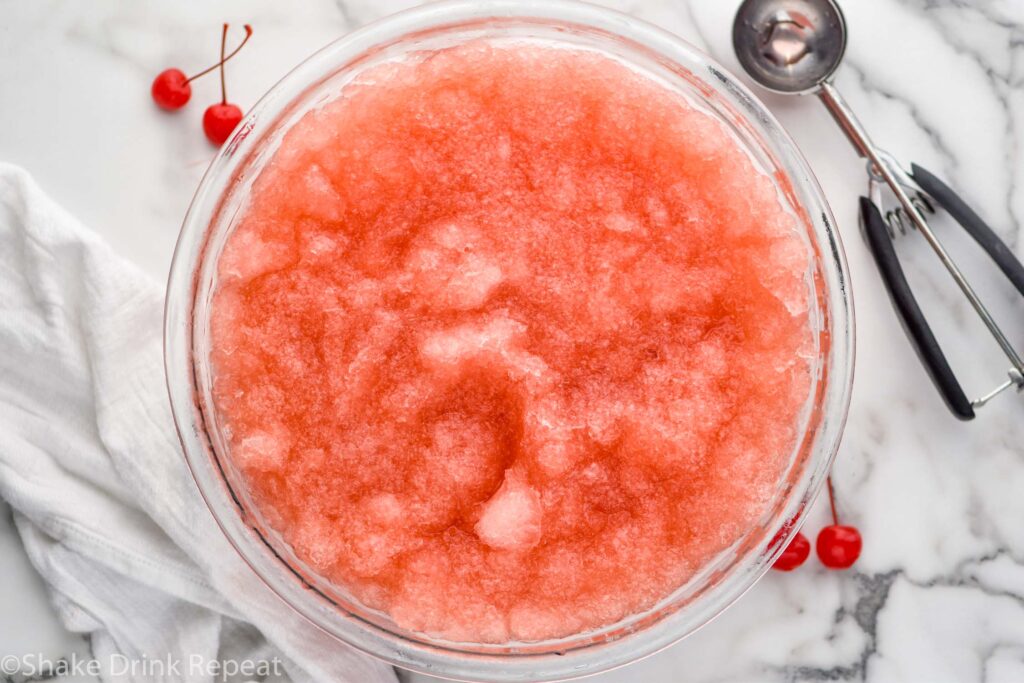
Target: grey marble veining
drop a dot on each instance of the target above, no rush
(939, 592)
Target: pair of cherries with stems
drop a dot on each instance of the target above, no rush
(172, 90)
(838, 546)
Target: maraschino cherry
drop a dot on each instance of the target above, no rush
(221, 118)
(794, 555)
(171, 88)
(838, 546)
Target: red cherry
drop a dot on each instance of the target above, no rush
(838, 546)
(794, 555)
(219, 121)
(171, 89)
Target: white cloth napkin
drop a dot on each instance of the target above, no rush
(91, 463)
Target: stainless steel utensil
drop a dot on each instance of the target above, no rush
(794, 47)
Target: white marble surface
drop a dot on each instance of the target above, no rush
(939, 592)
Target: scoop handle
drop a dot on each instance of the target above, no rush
(913, 320)
(972, 223)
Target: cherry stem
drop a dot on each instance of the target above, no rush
(832, 500)
(223, 85)
(248, 33)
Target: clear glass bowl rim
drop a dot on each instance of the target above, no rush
(442, 661)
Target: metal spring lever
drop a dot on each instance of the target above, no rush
(920, 192)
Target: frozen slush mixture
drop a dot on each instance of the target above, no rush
(510, 340)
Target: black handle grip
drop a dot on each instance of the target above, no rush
(973, 224)
(910, 314)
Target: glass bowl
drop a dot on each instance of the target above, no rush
(222, 194)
